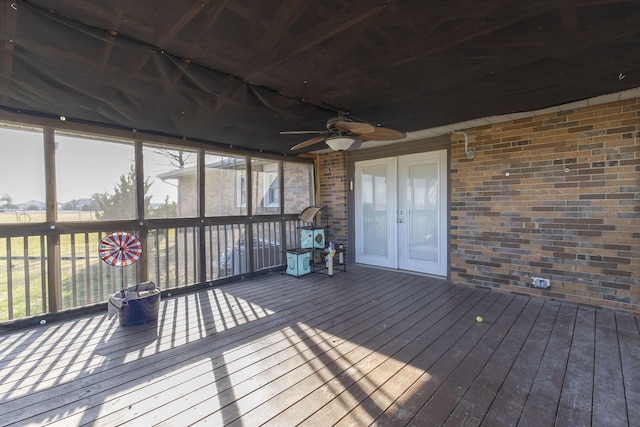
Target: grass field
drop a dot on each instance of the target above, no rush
(25, 217)
(23, 274)
(23, 268)
(170, 253)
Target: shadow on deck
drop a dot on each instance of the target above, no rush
(364, 347)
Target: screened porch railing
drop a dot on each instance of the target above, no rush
(173, 257)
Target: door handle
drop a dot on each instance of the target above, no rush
(400, 221)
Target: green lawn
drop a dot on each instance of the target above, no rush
(85, 278)
(23, 276)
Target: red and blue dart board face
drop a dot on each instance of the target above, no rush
(120, 249)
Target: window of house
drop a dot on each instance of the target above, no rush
(265, 187)
(225, 183)
(241, 189)
(272, 186)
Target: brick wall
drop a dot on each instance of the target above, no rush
(222, 191)
(297, 187)
(554, 196)
(332, 178)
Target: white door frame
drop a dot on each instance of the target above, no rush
(422, 217)
(395, 252)
(377, 224)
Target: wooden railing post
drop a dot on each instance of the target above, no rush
(201, 273)
(54, 279)
(142, 233)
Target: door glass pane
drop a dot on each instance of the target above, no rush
(374, 211)
(422, 212)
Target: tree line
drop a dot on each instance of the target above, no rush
(117, 204)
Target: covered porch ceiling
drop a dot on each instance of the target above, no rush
(237, 72)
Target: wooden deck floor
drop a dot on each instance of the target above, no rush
(366, 347)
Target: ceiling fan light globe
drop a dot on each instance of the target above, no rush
(340, 143)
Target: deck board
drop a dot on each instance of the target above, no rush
(629, 342)
(433, 360)
(544, 397)
(438, 408)
(437, 322)
(509, 402)
(608, 408)
(366, 347)
(309, 353)
(576, 401)
(478, 398)
(387, 359)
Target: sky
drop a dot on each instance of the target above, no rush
(83, 167)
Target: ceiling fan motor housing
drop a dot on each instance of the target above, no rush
(331, 123)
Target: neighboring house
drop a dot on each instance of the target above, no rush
(226, 195)
(226, 187)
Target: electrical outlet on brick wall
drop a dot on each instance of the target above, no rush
(539, 282)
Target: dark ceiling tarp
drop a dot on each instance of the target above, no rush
(56, 71)
(237, 72)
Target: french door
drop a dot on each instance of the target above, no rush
(401, 212)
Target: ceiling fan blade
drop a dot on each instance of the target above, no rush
(308, 142)
(383, 134)
(302, 132)
(355, 127)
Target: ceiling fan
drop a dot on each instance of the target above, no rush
(344, 134)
